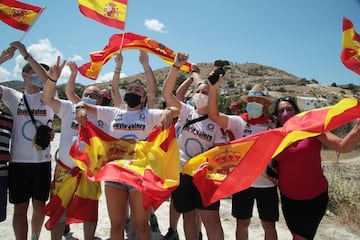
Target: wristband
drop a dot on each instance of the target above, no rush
(52, 80)
(178, 68)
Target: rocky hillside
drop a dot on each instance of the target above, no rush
(239, 78)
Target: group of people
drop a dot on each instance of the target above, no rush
(200, 126)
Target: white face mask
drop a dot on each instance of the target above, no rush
(254, 109)
(200, 100)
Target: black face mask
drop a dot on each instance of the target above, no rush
(132, 99)
(106, 102)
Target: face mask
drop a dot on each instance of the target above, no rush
(89, 100)
(132, 99)
(200, 100)
(284, 116)
(37, 81)
(106, 102)
(254, 109)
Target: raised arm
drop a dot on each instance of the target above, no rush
(48, 96)
(169, 84)
(7, 54)
(193, 79)
(70, 86)
(38, 69)
(213, 111)
(115, 92)
(342, 145)
(150, 79)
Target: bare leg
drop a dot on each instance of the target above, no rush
(37, 219)
(242, 226)
(20, 223)
(89, 230)
(270, 230)
(191, 232)
(116, 200)
(212, 223)
(140, 216)
(57, 231)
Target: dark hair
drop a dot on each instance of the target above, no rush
(27, 67)
(288, 99)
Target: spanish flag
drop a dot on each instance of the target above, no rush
(350, 44)
(71, 191)
(130, 41)
(19, 15)
(151, 166)
(230, 168)
(111, 13)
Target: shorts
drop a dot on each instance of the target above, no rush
(186, 197)
(304, 216)
(3, 192)
(29, 180)
(267, 202)
(120, 185)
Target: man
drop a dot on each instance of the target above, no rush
(30, 167)
(66, 168)
(263, 190)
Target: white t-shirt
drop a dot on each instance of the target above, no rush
(240, 128)
(22, 149)
(129, 124)
(69, 130)
(197, 137)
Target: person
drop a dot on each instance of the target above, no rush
(150, 103)
(106, 97)
(183, 94)
(30, 165)
(133, 124)
(263, 190)
(302, 184)
(65, 167)
(198, 135)
(235, 108)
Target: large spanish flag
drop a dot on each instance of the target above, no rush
(151, 166)
(111, 13)
(129, 41)
(350, 44)
(71, 191)
(229, 168)
(19, 15)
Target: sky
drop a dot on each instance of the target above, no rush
(302, 38)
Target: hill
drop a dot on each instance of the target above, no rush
(241, 77)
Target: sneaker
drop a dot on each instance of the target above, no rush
(171, 235)
(154, 224)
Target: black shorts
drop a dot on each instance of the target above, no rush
(29, 180)
(304, 216)
(267, 202)
(186, 197)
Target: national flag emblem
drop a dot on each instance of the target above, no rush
(19, 15)
(351, 44)
(230, 168)
(111, 12)
(130, 41)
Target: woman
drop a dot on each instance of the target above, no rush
(302, 184)
(134, 124)
(198, 134)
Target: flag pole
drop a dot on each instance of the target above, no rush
(23, 36)
(123, 36)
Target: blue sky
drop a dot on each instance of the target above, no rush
(302, 38)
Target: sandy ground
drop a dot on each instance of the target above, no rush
(328, 229)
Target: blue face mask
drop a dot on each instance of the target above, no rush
(254, 109)
(37, 81)
(89, 100)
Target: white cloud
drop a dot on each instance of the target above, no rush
(155, 25)
(42, 51)
(107, 77)
(4, 74)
